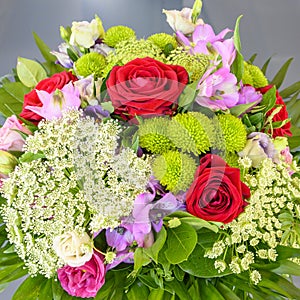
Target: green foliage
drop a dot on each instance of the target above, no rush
(117, 34)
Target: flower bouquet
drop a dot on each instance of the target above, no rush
(163, 167)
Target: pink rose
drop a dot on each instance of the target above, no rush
(84, 281)
(10, 138)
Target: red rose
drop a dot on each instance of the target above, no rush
(57, 81)
(217, 193)
(145, 87)
(282, 115)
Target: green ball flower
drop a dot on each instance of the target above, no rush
(117, 34)
(130, 49)
(195, 65)
(90, 63)
(190, 132)
(233, 134)
(174, 170)
(162, 40)
(153, 135)
(232, 159)
(254, 76)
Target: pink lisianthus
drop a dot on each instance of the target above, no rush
(10, 138)
(56, 102)
(218, 90)
(84, 281)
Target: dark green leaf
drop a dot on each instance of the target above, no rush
(208, 291)
(157, 294)
(148, 281)
(265, 66)
(46, 290)
(181, 242)
(200, 266)
(73, 56)
(138, 291)
(290, 90)
(287, 267)
(57, 290)
(269, 99)
(12, 272)
(226, 292)
(285, 252)
(280, 75)
(178, 288)
(252, 58)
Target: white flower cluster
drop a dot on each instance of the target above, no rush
(270, 219)
(79, 184)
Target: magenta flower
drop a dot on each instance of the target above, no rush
(226, 50)
(56, 102)
(84, 281)
(218, 90)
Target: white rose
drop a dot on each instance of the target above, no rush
(181, 20)
(73, 248)
(84, 34)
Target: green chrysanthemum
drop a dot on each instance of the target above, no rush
(196, 64)
(117, 34)
(90, 63)
(233, 132)
(254, 76)
(153, 135)
(232, 159)
(190, 132)
(128, 50)
(174, 170)
(162, 40)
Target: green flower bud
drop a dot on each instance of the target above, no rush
(7, 162)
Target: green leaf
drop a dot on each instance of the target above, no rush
(198, 223)
(285, 252)
(188, 96)
(108, 106)
(252, 58)
(279, 284)
(269, 99)
(148, 281)
(181, 242)
(29, 289)
(226, 292)
(153, 251)
(265, 66)
(138, 291)
(140, 259)
(157, 294)
(200, 266)
(8, 259)
(208, 291)
(12, 98)
(240, 109)
(57, 290)
(287, 267)
(44, 49)
(12, 272)
(28, 157)
(280, 75)
(30, 72)
(46, 290)
(290, 90)
(237, 68)
(178, 288)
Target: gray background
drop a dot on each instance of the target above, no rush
(268, 28)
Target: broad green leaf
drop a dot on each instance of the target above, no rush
(290, 90)
(46, 290)
(240, 109)
(181, 242)
(208, 291)
(279, 284)
(188, 95)
(44, 49)
(269, 99)
(287, 267)
(198, 223)
(140, 259)
(7, 259)
(200, 266)
(28, 157)
(179, 274)
(108, 106)
(30, 72)
(57, 290)
(226, 292)
(148, 281)
(12, 98)
(178, 288)
(157, 294)
(29, 289)
(12, 272)
(157, 246)
(280, 75)
(285, 252)
(138, 291)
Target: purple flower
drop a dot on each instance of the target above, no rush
(218, 90)
(120, 238)
(56, 102)
(226, 50)
(248, 94)
(96, 112)
(62, 56)
(123, 256)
